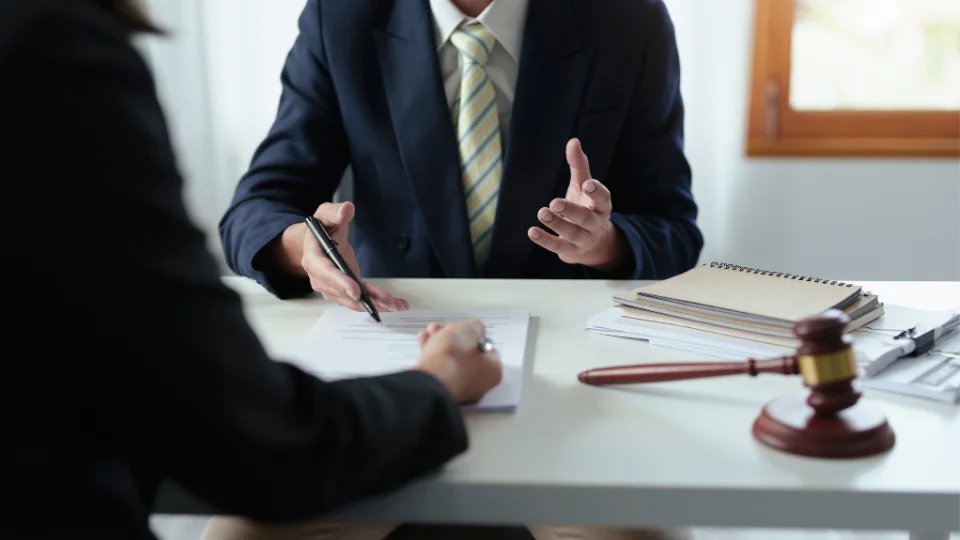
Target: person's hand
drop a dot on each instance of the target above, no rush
(581, 220)
(452, 355)
(326, 278)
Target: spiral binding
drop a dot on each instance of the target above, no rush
(785, 275)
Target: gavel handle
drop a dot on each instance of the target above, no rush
(647, 373)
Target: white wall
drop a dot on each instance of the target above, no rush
(836, 218)
(865, 219)
(218, 76)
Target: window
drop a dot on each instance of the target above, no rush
(856, 78)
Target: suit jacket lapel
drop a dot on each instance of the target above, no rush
(553, 73)
(418, 108)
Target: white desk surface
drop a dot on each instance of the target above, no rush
(666, 454)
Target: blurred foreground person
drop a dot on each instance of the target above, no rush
(140, 367)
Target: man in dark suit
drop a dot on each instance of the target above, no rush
(465, 123)
(135, 364)
(454, 116)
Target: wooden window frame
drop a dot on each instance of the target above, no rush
(774, 129)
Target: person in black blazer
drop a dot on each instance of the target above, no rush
(129, 363)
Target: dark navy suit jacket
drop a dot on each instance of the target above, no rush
(362, 86)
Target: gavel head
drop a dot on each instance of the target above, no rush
(826, 361)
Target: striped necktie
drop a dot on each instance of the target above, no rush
(477, 125)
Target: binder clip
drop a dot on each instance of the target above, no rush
(922, 342)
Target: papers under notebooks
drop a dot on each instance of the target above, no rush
(345, 344)
(738, 332)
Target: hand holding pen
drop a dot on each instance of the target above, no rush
(334, 273)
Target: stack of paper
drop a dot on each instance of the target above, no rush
(345, 344)
(613, 322)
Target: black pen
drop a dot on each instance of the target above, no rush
(330, 248)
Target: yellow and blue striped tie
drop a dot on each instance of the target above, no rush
(478, 130)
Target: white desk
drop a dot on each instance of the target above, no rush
(670, 454)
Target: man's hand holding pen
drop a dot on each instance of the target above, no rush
(326, 278)
(458, 355)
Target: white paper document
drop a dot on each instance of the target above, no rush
(347, 343)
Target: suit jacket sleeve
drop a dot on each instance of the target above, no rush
(296, 168)
(654, 206)
(182, 384)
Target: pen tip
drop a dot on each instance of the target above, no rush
(376, 317)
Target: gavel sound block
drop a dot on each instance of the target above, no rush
(831, 422)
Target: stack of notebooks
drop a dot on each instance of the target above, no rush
(747, 303)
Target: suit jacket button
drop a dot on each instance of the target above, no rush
(403, 242)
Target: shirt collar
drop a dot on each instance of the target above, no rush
(505, 19)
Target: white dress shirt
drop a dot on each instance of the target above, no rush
(505, 19)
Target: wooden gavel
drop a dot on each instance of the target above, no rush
(828, 423)
(649, 373)
(825, 356)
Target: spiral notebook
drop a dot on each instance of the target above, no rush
(749, 300)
